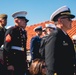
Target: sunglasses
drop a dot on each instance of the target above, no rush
(43, 66)
(66, 17)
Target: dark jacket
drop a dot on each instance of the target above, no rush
(13, 56)
(2, 34)
(42, 47)
(34, 47)
(59, 54)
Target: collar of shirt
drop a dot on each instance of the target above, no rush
(64, 32)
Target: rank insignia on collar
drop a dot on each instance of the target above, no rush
(65, 43)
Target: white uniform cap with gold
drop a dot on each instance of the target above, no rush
(74, 37)
(39, 28)
(50, 26)
(20, 14)
(64, 10)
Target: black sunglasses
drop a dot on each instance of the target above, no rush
(66, 17)
(43, 66)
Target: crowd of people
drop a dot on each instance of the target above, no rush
(52, 50)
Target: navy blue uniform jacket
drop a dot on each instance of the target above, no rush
(34, 47)
(59, 54)
(13, 56)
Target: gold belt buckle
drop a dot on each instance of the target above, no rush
(22, 49)
(55, 73)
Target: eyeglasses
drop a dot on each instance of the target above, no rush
(66, 17)
(43, 66)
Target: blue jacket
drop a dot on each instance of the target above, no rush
(34, 47)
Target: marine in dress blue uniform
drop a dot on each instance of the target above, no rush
(15, 45)
(59, 48)
(35, 43)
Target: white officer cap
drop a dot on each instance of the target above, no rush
(74, 37)
(38, 28)
(50, 26)
(64, 10)
(20, 14)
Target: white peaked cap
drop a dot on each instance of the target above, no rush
(74, 37)
(64, 10)
(50, 25)
(19, 14)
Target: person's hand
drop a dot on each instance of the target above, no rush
(10, 67)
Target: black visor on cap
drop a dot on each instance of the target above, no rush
(59, 15)
(38, 29)
(23, 18)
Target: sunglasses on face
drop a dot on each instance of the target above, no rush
(43, 66)
(66, 17)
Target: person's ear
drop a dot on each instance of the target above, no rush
(16, 20)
